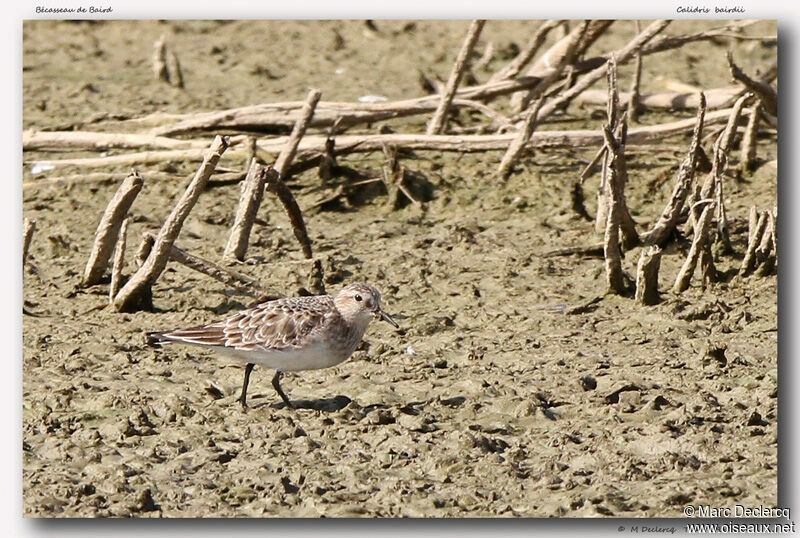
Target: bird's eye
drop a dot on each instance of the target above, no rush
(359, 298)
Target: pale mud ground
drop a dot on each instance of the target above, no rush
(506, 406)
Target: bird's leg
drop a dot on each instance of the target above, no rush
(243, 397)
(276, 382)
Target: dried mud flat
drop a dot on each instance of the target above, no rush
(500, 398)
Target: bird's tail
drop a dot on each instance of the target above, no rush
(155, 339)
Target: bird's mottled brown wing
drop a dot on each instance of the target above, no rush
(279, 324)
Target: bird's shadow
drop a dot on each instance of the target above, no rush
(328, 405)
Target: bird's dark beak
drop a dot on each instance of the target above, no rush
(380, 314)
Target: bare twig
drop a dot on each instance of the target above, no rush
(647, 275)
(132, 295)
(108, 228)
(697, 248)
(29, 227)
(119, 262)
(439, 119)
(249, 202)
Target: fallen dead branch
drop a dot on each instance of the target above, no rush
(715, 98)
(103, 177)
(241, 283)
(38, 140)
(142, 158)
(136, 291)
(314, 145)
(439, 119)
(109, 226)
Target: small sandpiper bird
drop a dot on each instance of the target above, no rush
(292, 334)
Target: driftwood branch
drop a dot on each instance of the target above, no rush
(249, 202)
(137, 289)
(686, 100)
(109, 226)
(647, 276)
(439, 119)
(311, 147)
(38, 140)
(242, 283)
(119, 262)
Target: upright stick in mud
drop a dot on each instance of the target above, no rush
(107, 231)
(136, 291)
(439, 119)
